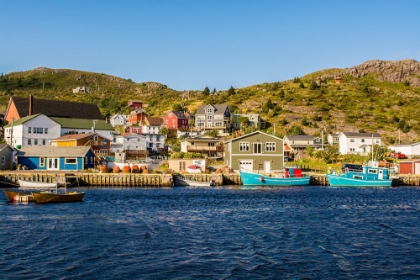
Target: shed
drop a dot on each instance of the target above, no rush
(409, 166)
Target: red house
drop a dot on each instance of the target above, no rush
(175, 120)
(137, 116)
(135, 104)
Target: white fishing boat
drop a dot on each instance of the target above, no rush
(184, 182)
(36, 184)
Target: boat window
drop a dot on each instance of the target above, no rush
(357, 177)
(372, 171)
(41, 162)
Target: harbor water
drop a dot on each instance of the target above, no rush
(215, 233)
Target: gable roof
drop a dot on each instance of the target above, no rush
(202, 138)
(55, 108)
(82, 123)
(22, 120)
(178, 114)
(219, 109)
(154, 121)
(361, 135)
(252, 133)
(5, 146)
(79, 151)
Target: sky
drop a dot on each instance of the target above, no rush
(193, 44)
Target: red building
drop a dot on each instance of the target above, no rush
(135, 104)
(137, 116)
(175, 120)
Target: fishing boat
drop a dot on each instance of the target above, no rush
(371, 176)
(36, 184)
(291, 176)
(12, 195)
(184, 182)
(49, 197)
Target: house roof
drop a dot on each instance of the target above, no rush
(219, 109)
(22, 120)
(202, 138)
(5, 146)
(252, 133)
(300, 137)
(77, 136)
(28, 151)
(82, 123)
(179, 114)
(154, 121)
(56, 108)
(361, 135)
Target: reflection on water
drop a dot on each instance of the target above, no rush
(229, 232)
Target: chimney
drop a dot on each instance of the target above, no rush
(31, 105)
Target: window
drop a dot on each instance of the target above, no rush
(91, 160)
(3, 160)
(43, 142)
(46, 130)
(257, 148)
(70, 161)
(41, 162)
(38, 130)
(351, 140)
(270, 146)
(372, 171)
(244, 146)
(36, 142)
(29, 129)
(209, 118)
(212, 144)
(29, 141)
(363, 140)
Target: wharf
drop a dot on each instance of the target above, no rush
(10, 179)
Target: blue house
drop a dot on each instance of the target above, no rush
(52, 158)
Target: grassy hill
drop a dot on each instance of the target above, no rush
(367, 102)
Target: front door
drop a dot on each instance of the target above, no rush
(267, 166)
(53, 164)
(381, 174)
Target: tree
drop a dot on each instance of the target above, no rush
(164, 131)
(310, 151)
(243, 122)
(212, 133)
(231, 90)
(214, 91)
(379, 152)
(177, 107)
(313, 86)
(295, 130)
(206, 91)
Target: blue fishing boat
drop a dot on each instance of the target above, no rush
(371, 176)
(291, 176)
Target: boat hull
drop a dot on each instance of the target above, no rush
(36, 185)
(45, 197)
(341, 181)
(181, 182)
(254, 179)
(11, 195)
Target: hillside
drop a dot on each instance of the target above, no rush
(375, 96)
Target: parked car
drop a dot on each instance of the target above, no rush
(351, 167)
(398, 155)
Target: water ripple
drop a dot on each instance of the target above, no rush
(215, 233)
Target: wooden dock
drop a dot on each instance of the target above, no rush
(10, 179)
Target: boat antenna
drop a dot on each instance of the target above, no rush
(372, 147)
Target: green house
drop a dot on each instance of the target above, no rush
(256, 151)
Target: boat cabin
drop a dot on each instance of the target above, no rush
(292, 172)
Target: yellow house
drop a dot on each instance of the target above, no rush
(100, 145)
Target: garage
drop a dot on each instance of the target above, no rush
(246, 165)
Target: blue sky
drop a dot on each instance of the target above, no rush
(191, 44)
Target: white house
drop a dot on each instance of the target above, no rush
(122, 143)
(357, 143)
(79, 126)
(33, 130)
(118, 119)
(150, 129)
(409, 150)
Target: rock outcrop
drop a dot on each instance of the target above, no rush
(392, 71)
